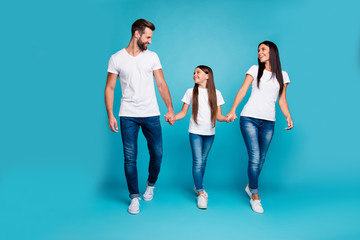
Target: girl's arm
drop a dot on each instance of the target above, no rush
(219, 116)
(183, 112)
(285, 108)
(231, 116)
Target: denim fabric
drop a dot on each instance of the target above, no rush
(200, 146)
(151, 129)
(257, 134)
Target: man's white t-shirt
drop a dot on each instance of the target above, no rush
(261, 103)
(204, 126)
(137, 82)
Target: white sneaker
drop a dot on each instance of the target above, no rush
(134, 207)
(256, 206)
(202, 200)
(247, 190)
(149, 193)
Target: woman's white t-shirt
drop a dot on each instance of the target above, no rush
(261, 103)
(204, 126)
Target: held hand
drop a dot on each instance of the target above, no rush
(112, 123)
(170, 118)
(289, 123)
(230, 117)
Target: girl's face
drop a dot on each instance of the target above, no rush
(263, 53)
(200, 77)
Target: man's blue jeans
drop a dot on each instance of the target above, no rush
(151, 129)
(200, 146)
(257, 134)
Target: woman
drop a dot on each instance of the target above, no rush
(257, 119)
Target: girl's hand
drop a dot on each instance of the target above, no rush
(230, 117)
(289, 123)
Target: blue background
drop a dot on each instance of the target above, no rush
(61, 168)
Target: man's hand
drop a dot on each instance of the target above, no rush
(113, 124)
(170, 118)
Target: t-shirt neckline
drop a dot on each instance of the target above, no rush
(132, 55)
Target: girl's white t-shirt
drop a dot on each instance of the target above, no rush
(204, 126)
(261, 103)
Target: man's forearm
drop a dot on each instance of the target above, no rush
(109, 102)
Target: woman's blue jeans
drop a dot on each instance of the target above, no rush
(151, 129)
(257, 134)
(200, 146)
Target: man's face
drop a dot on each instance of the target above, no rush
(145, 39)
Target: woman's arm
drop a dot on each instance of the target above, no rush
(183, 112)
(285, 108)
(231, 116)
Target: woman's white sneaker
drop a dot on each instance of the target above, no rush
(247, 190)
(256, 206)
(134, 207)
(202, 200)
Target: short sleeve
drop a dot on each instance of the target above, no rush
(219, 98)
(286, 77)
(187, 97)
(157, 64)
(112, 66)
(253, 71)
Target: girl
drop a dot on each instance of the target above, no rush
(257, 118)
(206, 109)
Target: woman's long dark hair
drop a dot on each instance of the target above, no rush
(274, 63)
(210, 86)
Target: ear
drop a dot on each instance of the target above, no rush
(137, 34)
(207, 76)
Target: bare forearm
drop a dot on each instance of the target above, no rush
(109, 101)
(165, 95)
(239, 97)
(220, 118)
(180, 115)
(284, 108)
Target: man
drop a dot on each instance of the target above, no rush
(135, 66)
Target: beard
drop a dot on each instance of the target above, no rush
(141, 45)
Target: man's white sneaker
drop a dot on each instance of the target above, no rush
(256, 206)
(149, 193)
(134, 207)
(247, 190)
(202, 200)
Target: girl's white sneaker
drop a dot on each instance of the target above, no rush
(256, 206)
(202, 200)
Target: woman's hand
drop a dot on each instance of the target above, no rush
(289, 123)
(231, 116)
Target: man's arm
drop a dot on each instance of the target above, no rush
(109, 100)
(165, 94)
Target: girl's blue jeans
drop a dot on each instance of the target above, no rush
(200, 146)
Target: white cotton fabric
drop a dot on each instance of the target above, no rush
(261, 103)
(137, 82)
(204, 126)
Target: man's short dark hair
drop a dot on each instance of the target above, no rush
(140, 25)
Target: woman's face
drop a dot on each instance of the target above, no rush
(263, 53)
(200, 77)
